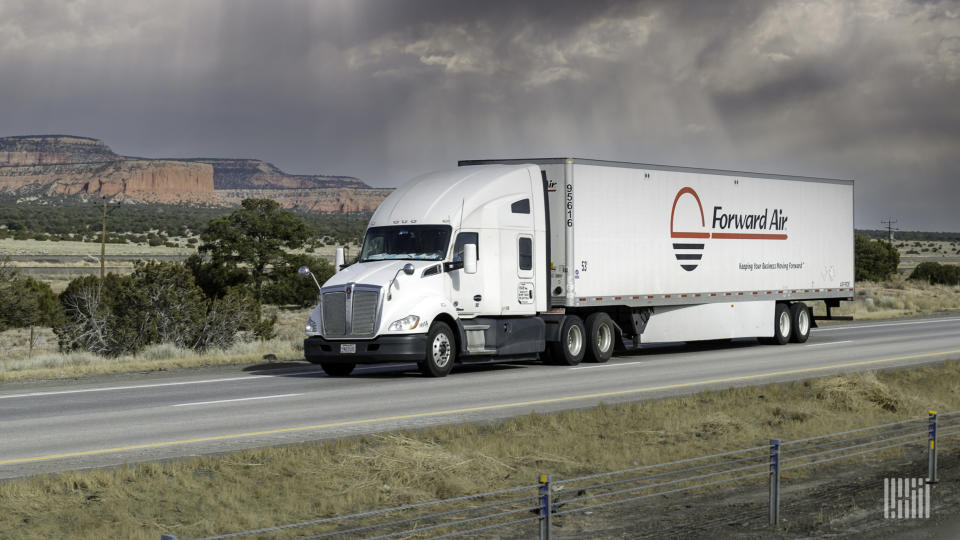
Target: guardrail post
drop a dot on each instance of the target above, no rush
(546, 505)
(774, 482)
(932, 449)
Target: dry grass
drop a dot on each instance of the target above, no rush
(913, 253)
(259, 488)
(46, 363)
(897, 297)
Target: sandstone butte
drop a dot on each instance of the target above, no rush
(68, 165)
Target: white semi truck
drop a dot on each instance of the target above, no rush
(571, 259)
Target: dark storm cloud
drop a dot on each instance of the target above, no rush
(386, 90)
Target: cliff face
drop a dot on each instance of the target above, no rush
(256, 174)
(345, 199)
(58, 164)
(52, 149)
(146, 180)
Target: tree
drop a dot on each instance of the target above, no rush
(25, 301)
(157, 303)
(288, 288)
(256, 236)
(874, 260)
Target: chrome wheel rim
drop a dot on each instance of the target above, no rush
(785, 324)
(803, 322)
(441, 350)
(574, 340)
(604, 338)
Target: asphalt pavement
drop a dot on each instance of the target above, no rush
(49, 427)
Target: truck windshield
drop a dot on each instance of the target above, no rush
(413, 242)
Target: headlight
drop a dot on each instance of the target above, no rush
(407, 323)
(312, 326)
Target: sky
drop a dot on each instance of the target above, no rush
(385, 90)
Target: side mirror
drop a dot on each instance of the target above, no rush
(304, 272)
(408, 269)
(470, 258)
(338, 260)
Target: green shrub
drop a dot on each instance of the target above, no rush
(286, 287)
(24, 301)
(158, 303)
(936, 273)
(874, 260)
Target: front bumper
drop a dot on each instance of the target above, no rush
(403, 348)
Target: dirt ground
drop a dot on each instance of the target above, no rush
(842, 500)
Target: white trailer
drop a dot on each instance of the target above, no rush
(569, 259)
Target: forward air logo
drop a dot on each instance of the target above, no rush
(691, 238)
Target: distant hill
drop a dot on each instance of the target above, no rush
(44, 166)
(256, 174)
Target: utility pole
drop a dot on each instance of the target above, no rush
(889, 223)
(103, 237)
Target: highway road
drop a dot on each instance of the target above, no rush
(48, 427)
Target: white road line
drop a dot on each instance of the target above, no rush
(154, 385)
(618, 364)
(856, 326)
(829, 343)
(233, 400)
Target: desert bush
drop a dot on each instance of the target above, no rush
(874, 260)
(158, 303)
(936, 273)
(25, 301)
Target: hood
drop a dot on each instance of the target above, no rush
(377, 272)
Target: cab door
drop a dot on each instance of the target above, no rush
(467, 290)
(517, 250)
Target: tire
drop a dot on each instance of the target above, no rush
(337, 369)
(782, 326)
(441, 351)
(800, 322)
(601, 336)
(570, 349)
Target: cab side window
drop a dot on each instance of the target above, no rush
(525, 255)
(463, 239)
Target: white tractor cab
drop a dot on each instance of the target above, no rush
(453, 268)
(505, 260)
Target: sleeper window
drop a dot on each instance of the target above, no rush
(526, 253)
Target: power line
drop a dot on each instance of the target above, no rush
(890, 228)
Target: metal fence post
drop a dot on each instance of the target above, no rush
(932, 449)
(774, 482)
(546, 505)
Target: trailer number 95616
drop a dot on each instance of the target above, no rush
(569, 205)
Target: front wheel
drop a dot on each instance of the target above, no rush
(570, 349)
(800, 318)
(441, 351)
(337, 369)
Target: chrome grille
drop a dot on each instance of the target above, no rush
(350, 310)
(335, 313)
(364, 312)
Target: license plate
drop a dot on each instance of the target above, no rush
(348, 348)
